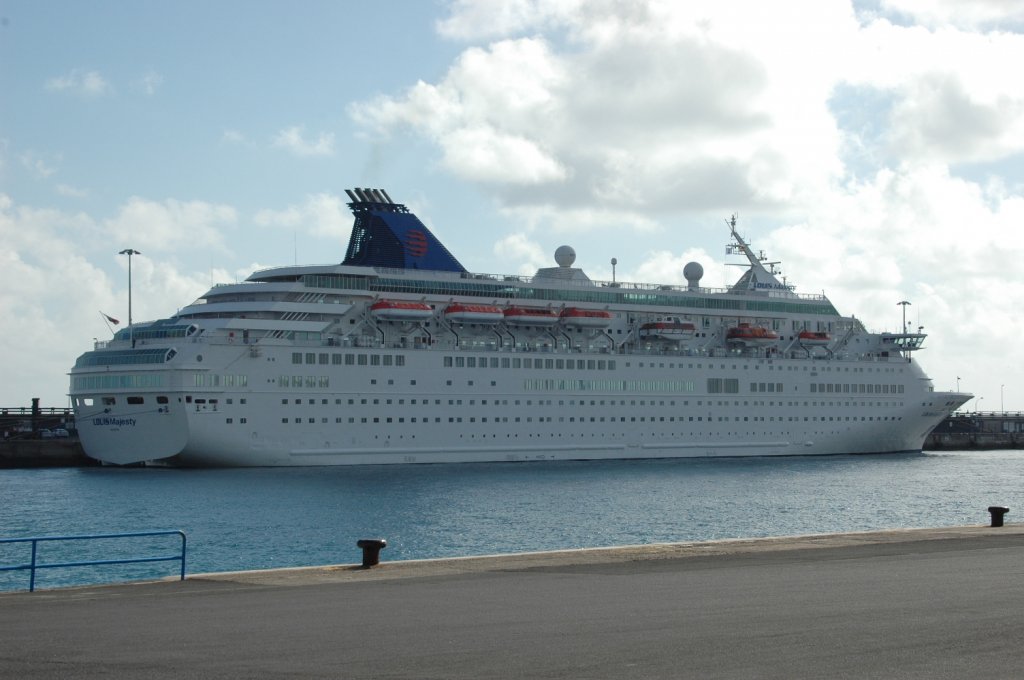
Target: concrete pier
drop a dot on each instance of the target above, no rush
(928, 603)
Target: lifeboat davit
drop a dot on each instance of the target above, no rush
(667, 330)
(530, 316)
(400, 310)
(461, 313)
(814, 338)
(751, 335)
(586, 318)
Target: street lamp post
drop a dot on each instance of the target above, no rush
(129, 252)
(1001, 407)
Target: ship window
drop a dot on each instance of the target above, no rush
(161, 400)
(362, 359)
(324, 357)
(336, 359)
(460, 362)
(350, 359)
(447, 362)
(296, 357)
(388, 359)
(108, 401)
(310, 358)
(375, 360)
(471, 362)
(135, 400)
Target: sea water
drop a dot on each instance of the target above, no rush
(238, 519)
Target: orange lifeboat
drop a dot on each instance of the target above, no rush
(400, 310)
(462, 313)
(586, 318)
(667, 330)
(530, 316)
(751, 335)
(814, 338)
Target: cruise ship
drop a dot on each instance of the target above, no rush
(401, 355)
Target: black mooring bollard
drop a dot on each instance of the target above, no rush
(371, 550)
(997, 514)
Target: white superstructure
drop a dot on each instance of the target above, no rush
(399, 355)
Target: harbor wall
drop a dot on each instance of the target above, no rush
(31, 453)
(978, 430)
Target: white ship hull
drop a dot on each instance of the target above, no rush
(441, 423)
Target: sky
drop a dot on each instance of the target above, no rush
(875, 149)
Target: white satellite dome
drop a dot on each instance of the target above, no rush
(565, 256)
(693, 273)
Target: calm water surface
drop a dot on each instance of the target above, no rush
(260, 518)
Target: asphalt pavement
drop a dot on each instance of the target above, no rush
(930, 603)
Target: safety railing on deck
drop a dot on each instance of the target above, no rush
(33, 565)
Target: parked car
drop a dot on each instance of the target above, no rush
(59, 433)
(45, 434)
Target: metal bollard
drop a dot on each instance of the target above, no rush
(997, 514)
(371, 550)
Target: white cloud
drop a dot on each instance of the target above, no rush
(59, 269)
(71, 192)
(657, 105)
(170, 225)
(292, 140)
(41, 300)
(37, 167)
(953, 96)
(970, 15)
(320, 215)
(476, 19)
(233, 137)
(150, 82)
(938, 241)
(77, 81)
(519, 248)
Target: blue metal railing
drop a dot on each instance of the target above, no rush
(33, 565)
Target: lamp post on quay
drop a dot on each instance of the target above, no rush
(129, 252)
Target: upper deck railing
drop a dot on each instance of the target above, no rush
(522, 280)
